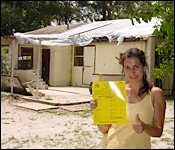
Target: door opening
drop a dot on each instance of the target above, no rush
(45, 65)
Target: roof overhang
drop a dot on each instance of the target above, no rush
(113, 30)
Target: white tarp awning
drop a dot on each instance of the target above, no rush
(83, 35)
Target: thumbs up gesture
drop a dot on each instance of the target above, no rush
(139, 125)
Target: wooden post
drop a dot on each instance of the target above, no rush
(12, 64)
(37, 82)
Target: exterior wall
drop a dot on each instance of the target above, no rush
(77, 72)
(35, 56)
(25, 75)
(60, 65)
(60, 62)
(106, 53)
(105, 61)
(77, 76)
(150, 53)
(82, 75)
(28, 75)
(63, 73)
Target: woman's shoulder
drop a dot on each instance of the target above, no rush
(157, 93)
(156, 90)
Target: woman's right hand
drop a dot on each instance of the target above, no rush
(93, 104)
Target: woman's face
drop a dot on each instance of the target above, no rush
(134, 69)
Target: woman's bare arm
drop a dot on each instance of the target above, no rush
(103, 128)
(159, 104)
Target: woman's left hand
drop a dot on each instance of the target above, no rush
(139, 125)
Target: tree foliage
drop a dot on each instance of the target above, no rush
(5, 61)
(9, 18)
(31, 15)
(165, 11)
(26, 16)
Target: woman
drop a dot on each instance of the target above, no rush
(145, 105)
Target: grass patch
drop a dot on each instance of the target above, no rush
(169, 100)
(86, 133)
(153, 141)
(3, 95)
(39, 112)
(64, 113)
(51, 111)
(33, 119)
(87, 110)
(169, 119)
(56, 134)
(171, 131)
(70, 122)
(12, 138)
(48, 97)
(84, 114)
(169, 141)
(77, 129)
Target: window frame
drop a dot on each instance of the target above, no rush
(25, 63)
(79, 56)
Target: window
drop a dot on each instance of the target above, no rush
(78, 56)
(25, 61)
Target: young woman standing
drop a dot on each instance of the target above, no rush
(145, 105)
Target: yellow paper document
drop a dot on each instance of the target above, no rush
(111, 99)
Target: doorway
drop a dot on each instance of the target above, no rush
(88, 67)
(45, 65)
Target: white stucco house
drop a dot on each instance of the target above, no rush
(83, 53)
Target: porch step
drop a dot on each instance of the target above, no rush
(41, 81)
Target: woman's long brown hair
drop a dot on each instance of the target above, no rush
(135, 52)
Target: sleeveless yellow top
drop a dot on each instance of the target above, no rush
(123, 136)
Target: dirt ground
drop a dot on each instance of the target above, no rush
(23, 128)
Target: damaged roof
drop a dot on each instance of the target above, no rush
(84, 33)
(54, 29)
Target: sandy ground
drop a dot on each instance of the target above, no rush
(23, 128)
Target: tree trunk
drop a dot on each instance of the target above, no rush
(104, 15)
(65, 19)
(59, 21)
(172, 90)
(109, 11)
(14, 4)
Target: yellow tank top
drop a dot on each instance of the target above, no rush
(123, 136)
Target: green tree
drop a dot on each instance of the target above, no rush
(26, 16)
(165, 11)
(10, 17)
(5, 61)
(107, 10)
